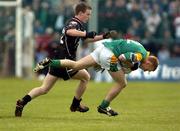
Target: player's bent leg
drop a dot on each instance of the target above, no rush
(76, 105)
(47, 84)
(43, 89)
(42, 64)
(83, 63)
(121, 82)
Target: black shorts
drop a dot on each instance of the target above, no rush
(63, 73)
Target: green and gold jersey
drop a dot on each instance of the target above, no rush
(129, 48)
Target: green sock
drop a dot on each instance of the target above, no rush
(104, 104)
(55, 63)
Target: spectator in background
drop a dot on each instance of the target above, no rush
(44, 14)
(164, 5)
(47, 48)
(68, 11)
(167, 38)
(153, 20)
(107, 14)
(36, 7)
(163, 53)
(59, 23)
(38, 28)
(173, 5)
(135, 11)
(176, 50)
(42, 43)
(150, 42)
(177, 27)
(145, 9)
(172, 14)
(164, 26)
(136, 29)
(122, 16)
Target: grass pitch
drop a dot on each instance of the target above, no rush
(143, 106)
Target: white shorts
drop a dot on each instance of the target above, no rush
(106, 59)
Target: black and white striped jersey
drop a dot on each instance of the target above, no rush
(70, 43)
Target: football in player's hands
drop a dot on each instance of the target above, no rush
(126, 70)
(127, 64)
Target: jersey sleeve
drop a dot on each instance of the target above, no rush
(133, 57)
(71, 25)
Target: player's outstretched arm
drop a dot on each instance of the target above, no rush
(110, 34)
(77, 33)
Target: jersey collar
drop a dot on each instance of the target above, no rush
(77, 20)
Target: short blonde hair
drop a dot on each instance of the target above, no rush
(154, 60)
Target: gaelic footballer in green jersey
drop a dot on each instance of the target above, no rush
(113, 56)
(133, 52)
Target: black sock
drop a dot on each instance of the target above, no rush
(26, 99)
(76, 102)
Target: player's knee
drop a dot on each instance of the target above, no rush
(75, 66)
(86, 77)
(122, 84)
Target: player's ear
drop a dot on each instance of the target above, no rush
(80, 13)
(142, 64)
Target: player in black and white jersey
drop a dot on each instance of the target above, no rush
(72, 32)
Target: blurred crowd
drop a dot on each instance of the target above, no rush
(154, 23)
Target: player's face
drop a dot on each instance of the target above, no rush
(147, 66)
(86, 15)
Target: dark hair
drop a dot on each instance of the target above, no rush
(81, 7)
